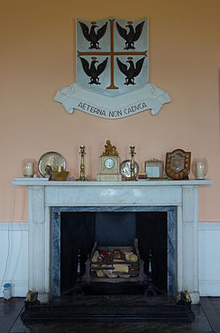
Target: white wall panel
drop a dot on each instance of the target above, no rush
(14, 257)
(209, 258)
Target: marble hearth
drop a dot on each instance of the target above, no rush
(179, 198)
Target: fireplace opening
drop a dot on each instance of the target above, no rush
(77, 231)
(80, 230)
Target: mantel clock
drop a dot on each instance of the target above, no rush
(109, 163)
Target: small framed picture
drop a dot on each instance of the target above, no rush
(154, 168)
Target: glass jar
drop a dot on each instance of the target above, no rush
(29, 167)
(200, 168)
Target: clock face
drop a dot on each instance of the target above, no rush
(109, 163)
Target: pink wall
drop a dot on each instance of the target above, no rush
(37, 58)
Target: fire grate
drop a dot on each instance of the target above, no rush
(115, 265)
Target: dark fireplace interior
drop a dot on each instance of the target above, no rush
(84, 238)
(80, 230)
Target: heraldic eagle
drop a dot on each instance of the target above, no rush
(92, 36)
(130, 36)
(93, 71)
(132, 71)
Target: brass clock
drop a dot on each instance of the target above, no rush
(125, 169)
(109, 163)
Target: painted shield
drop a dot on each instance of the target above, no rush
(112, 55)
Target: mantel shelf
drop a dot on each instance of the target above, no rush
(44, 182)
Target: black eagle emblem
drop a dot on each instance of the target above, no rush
(130, 71)
(131, 35)
(93, 36)
(93, 71)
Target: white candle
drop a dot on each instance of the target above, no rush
(29, 169)
(200, 170)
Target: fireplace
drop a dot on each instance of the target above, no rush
(48, 198)
(76, 229)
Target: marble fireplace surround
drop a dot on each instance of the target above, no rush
(45, 195)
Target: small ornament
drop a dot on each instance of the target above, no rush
(109, 149)
(200, 168)
(29, 167)
(48, 171)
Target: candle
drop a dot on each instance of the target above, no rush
(200, 170)
(59, 168)
(29, 169)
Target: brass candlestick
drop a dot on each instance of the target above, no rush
(82, 165)
(132, 153)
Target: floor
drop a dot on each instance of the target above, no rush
(207, 319)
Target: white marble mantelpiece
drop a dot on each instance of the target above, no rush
(45, 194)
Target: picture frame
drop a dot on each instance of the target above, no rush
(154, 169)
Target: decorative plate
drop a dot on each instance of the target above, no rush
(178, 164)
(125, 169)
(53, 159)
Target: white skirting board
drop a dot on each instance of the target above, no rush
(14, 258)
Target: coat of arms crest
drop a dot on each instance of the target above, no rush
(112, 60)
(112, 55)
